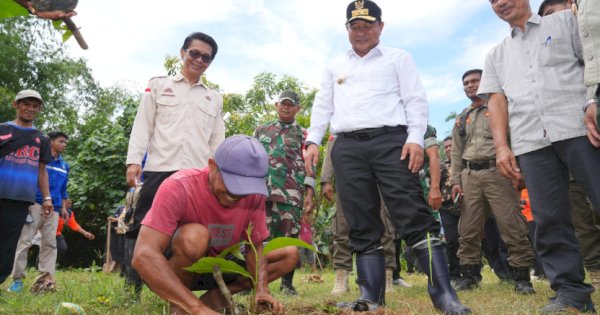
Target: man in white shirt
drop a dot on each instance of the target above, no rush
(178, 125)
(374, 101)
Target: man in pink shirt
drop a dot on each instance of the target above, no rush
(200, 212)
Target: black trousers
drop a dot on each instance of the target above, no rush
(363, 168)
(61, 248)
(152, 181)
(450, 224)
(546, 173)
(12, 218)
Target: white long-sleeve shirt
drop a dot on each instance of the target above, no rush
(379, 89)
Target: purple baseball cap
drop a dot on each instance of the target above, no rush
(244, 165)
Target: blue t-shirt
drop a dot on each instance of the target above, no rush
(58, 177)
(19, 169)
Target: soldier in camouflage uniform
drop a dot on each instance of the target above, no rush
(287, 181)
(474, 173)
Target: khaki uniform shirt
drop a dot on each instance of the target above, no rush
(178, 125)
(477, 143)
(588, 17)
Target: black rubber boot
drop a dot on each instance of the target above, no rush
(435, 266)
(370, 270)
(286, 284)
(470, 278)
(522, 280)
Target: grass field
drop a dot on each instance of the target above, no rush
(99, 293)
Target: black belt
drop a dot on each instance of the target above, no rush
(479, 165)
(366, 134)
(21, 202)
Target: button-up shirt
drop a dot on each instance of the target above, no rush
(379, 89)
(178, 124)
(541, 73)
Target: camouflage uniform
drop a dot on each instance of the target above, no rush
(287, 176)
(424, 173)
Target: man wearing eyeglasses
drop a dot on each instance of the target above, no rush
(179, 125)
(533, 81)
(373, 99)
(199, 213)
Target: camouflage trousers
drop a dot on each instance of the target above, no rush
(283, 219)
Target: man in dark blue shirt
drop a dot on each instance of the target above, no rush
(24, 153)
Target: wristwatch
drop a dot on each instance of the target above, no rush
(47, 198)
(590, 101)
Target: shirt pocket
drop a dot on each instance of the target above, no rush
(554, 51)
(206, 112)
(382, 78)
(165, 108)
(487, 128)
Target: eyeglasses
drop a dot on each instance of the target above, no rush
(195, 54)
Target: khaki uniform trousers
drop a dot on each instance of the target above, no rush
(487, 187)
(342, 255)
(587, 227)
(47, 257)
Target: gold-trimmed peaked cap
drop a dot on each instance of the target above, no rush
(363, 9)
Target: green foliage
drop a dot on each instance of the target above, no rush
(281, 242)
(205, 265)
(105, 294)
(98, 121)
(10, 8)
(257, 106)
(451, 116)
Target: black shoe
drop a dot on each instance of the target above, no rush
(562, 304)
(524, 287)
(465, 284)
(288, 289)
(522, 280)
(359, 306)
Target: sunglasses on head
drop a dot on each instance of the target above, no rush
(195, 54)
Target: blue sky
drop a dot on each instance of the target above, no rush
(129, 40)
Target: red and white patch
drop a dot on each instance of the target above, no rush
(148, 90)
(37, 140)
(4, 137)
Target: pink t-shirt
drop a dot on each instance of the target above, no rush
(185, 197)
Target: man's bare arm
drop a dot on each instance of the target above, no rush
(150, 262)
(505, 158)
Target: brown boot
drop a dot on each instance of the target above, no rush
(389, 283)
(341, 282)
(595, 276)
